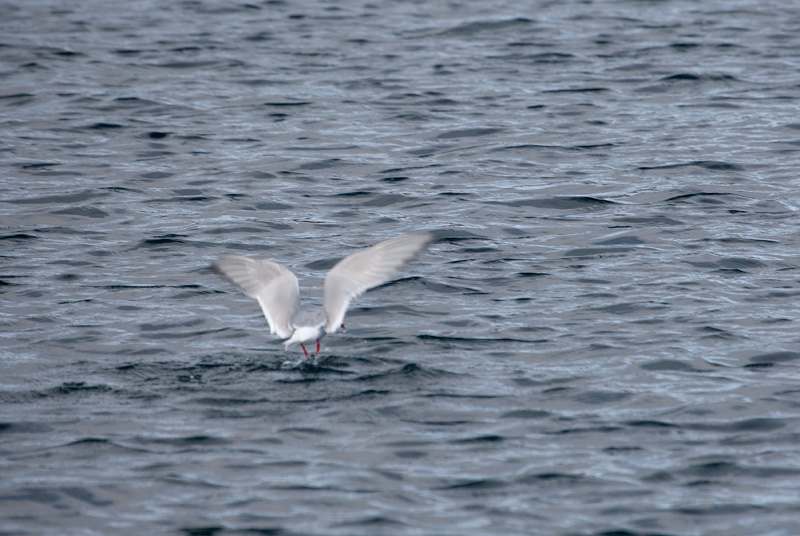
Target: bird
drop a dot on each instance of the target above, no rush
(277, 290)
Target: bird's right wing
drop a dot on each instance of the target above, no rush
(274, 286)
(365, 269)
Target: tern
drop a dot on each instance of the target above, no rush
(276, 288)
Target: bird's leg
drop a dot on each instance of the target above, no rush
(343, 327)
(304, 349)
(316, 356)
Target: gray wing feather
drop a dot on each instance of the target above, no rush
(274, 286)
(359, 272)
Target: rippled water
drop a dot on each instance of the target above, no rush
(602, 340)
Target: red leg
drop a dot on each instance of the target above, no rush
(304, 349)
(343, 327)
(317, 346)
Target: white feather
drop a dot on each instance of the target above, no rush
(273, 285)
(368, 268)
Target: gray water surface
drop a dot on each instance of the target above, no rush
(602, 340)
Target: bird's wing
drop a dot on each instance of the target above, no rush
(365, 269)
(273, 285)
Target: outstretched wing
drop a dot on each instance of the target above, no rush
(273, 285)
(361, 271)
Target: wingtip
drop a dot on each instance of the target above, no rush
(426, 239)
(217, 266)
(429, 237)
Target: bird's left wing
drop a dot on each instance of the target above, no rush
(273, 285)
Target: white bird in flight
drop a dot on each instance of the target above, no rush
(277, 291)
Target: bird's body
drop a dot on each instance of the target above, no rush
(277, 290)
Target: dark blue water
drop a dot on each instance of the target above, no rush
(604, 339)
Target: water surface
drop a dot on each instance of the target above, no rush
(602, 340)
